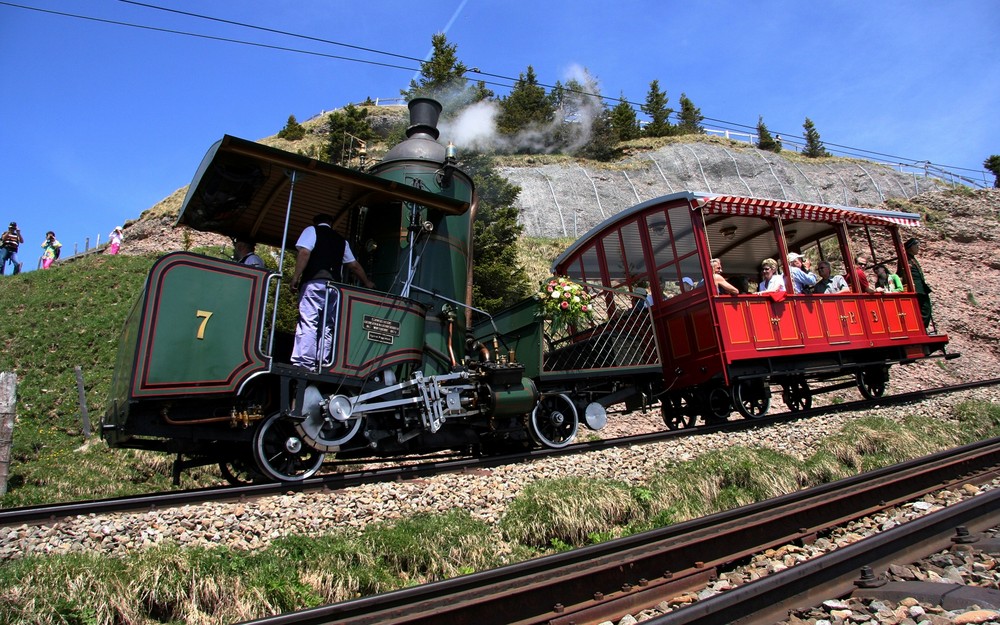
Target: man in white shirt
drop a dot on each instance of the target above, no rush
(321, 254)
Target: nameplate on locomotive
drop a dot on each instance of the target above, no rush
(380, 330)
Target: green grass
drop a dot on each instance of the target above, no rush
(72, 315)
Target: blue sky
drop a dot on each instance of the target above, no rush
(98, 121)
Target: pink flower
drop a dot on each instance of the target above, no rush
(584, 308)
(564, 305)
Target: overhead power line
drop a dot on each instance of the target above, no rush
(509, 81)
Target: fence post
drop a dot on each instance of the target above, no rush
(84, 417)
(8, 396)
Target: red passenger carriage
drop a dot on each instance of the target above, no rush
(703, 353)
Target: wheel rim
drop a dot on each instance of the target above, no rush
(719, 404)
(554, 421)
(871, 383)
(797, 396)
(239, 471)
(751, 399)
(328, 430)
(281, 454)
(679, 411)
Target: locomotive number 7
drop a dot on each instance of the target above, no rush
(201, 329)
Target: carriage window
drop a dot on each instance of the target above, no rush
(635, 264)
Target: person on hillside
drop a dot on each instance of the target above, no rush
(919, 286)
(802, 280)
(886, 282)
(9, 242)
(115, 240)
(245, 254)
(322, 252)
(50, 249)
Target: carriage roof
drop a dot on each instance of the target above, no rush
(241, 189)
(721, 212)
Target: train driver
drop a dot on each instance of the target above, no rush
(321, 254)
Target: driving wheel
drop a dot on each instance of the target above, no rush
(554, 421)
(240, 471)
(281, 454)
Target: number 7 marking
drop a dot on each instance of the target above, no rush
(201, 329)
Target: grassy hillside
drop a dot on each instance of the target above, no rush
(53, 321)
(72, 316)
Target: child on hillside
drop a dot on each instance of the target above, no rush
(50, 249)
(115, 240)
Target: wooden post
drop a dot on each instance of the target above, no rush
(8, 395)
(84, 417)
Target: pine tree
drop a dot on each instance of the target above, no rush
(579, 115)
(993, 165)
(525, 106)
(814, 147)
(346, 130)
(764, 139)
(293, 130)
(498, 279)
(659, 115)
(623, 120)
(442, 74)
(690, 118)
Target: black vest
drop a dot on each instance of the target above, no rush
(326, 257)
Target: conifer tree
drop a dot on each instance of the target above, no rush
(442, 74)
(764, 139)
(659, 115)
(525, 106)
(345, 128)
(814, 147)
(498, 279)
(690, 118)
(993, 165)
(623, 120)
(293, 130)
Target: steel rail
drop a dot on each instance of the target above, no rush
(604, 581)
(337, 481)
(768, 599)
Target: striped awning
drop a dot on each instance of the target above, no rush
(760, 207)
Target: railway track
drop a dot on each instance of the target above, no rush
(609, 580)
(347, 479)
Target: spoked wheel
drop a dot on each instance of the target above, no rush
(797, 395)
(872, 382)
(751, 398)
(718, 405)
(240, 471)
(679, 411)
(327, 430)
(280, 453)
(554, 421)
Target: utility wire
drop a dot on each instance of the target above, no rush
(510, 82)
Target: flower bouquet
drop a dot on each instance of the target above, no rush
(565, 303)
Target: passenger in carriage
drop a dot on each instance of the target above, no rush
(723, 287)
(828, 282)
(864, 285)
(770, 279)
(886, 282)
(802, 281)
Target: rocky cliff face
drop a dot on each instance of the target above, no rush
(566, 198)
